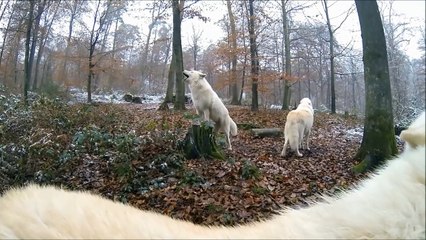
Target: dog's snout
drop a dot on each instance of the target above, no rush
(186, 75)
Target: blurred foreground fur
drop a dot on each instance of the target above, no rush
(389, 205)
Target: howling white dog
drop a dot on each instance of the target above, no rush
(298, 126)
(389, 205)
(208, 104)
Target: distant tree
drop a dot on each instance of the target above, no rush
(332, 55)
(8, 26)
(73, 8)
(234, 56)
(105, 13)
(254, 58)
(194, 46)
(287, 56)
(28, 60)
(378, 142)
(50, 12)
(177, 6)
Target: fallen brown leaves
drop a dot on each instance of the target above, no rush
(253, 183)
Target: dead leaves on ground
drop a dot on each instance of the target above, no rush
(253, 183)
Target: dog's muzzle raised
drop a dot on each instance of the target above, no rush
(185, 76)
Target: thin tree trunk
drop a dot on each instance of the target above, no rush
(287, 90)
(27, 64)
(254, 60)
(35, 37)
(9, 21)
(179, 104)
(42, 44)
(332, 71)
(234, 89)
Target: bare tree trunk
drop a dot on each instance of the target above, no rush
(179, 104)
(234, 89)
(332, 71)
(6, 32)
(67, 48)
(254, 60)
(287, 90)
(378, 142)
(93, 41)
(43, 39)
(35, 33)
(27, 62)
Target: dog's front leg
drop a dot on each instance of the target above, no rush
(206, 115)
(283, 152)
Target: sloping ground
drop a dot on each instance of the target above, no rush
(129, 153)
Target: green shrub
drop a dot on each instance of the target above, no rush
(250, 171)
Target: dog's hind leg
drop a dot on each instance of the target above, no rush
(283, 152)
(308, 133)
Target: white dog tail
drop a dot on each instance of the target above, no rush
(233, 126)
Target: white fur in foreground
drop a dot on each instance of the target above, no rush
(208, 104)
(298, 127)
(389, 205)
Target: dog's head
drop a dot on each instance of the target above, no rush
(193, 76)
(306, 101)
(414, 135)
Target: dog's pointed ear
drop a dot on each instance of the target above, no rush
(202, 75)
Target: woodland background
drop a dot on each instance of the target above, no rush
(66, 35)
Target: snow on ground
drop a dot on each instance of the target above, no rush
(116, 96)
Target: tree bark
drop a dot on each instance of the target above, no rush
(287, 60)
(27, 62)
(254, 60)
(233, 36)
(179, 104)
(200, 142)
(332, 71)
(378, 141)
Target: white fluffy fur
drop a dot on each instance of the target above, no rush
(208, 104)
(298, 126)
(389, 205)
(413, 132)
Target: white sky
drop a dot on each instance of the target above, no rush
(409, 11)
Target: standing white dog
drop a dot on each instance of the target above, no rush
(208, 104)
(298, 126)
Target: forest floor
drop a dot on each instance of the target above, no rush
(129, 153)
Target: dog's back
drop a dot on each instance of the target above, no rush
(298, 124)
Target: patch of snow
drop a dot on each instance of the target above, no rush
(355, 132)
(115, 96)
(273, 106)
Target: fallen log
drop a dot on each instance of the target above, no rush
(267, 132)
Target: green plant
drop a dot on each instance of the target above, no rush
(259, 190)
(151, 125)
(212, 208)
(250, 171)
(191, 178)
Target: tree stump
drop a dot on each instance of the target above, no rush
(200, 142)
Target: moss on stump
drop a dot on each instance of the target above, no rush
(200, 142)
